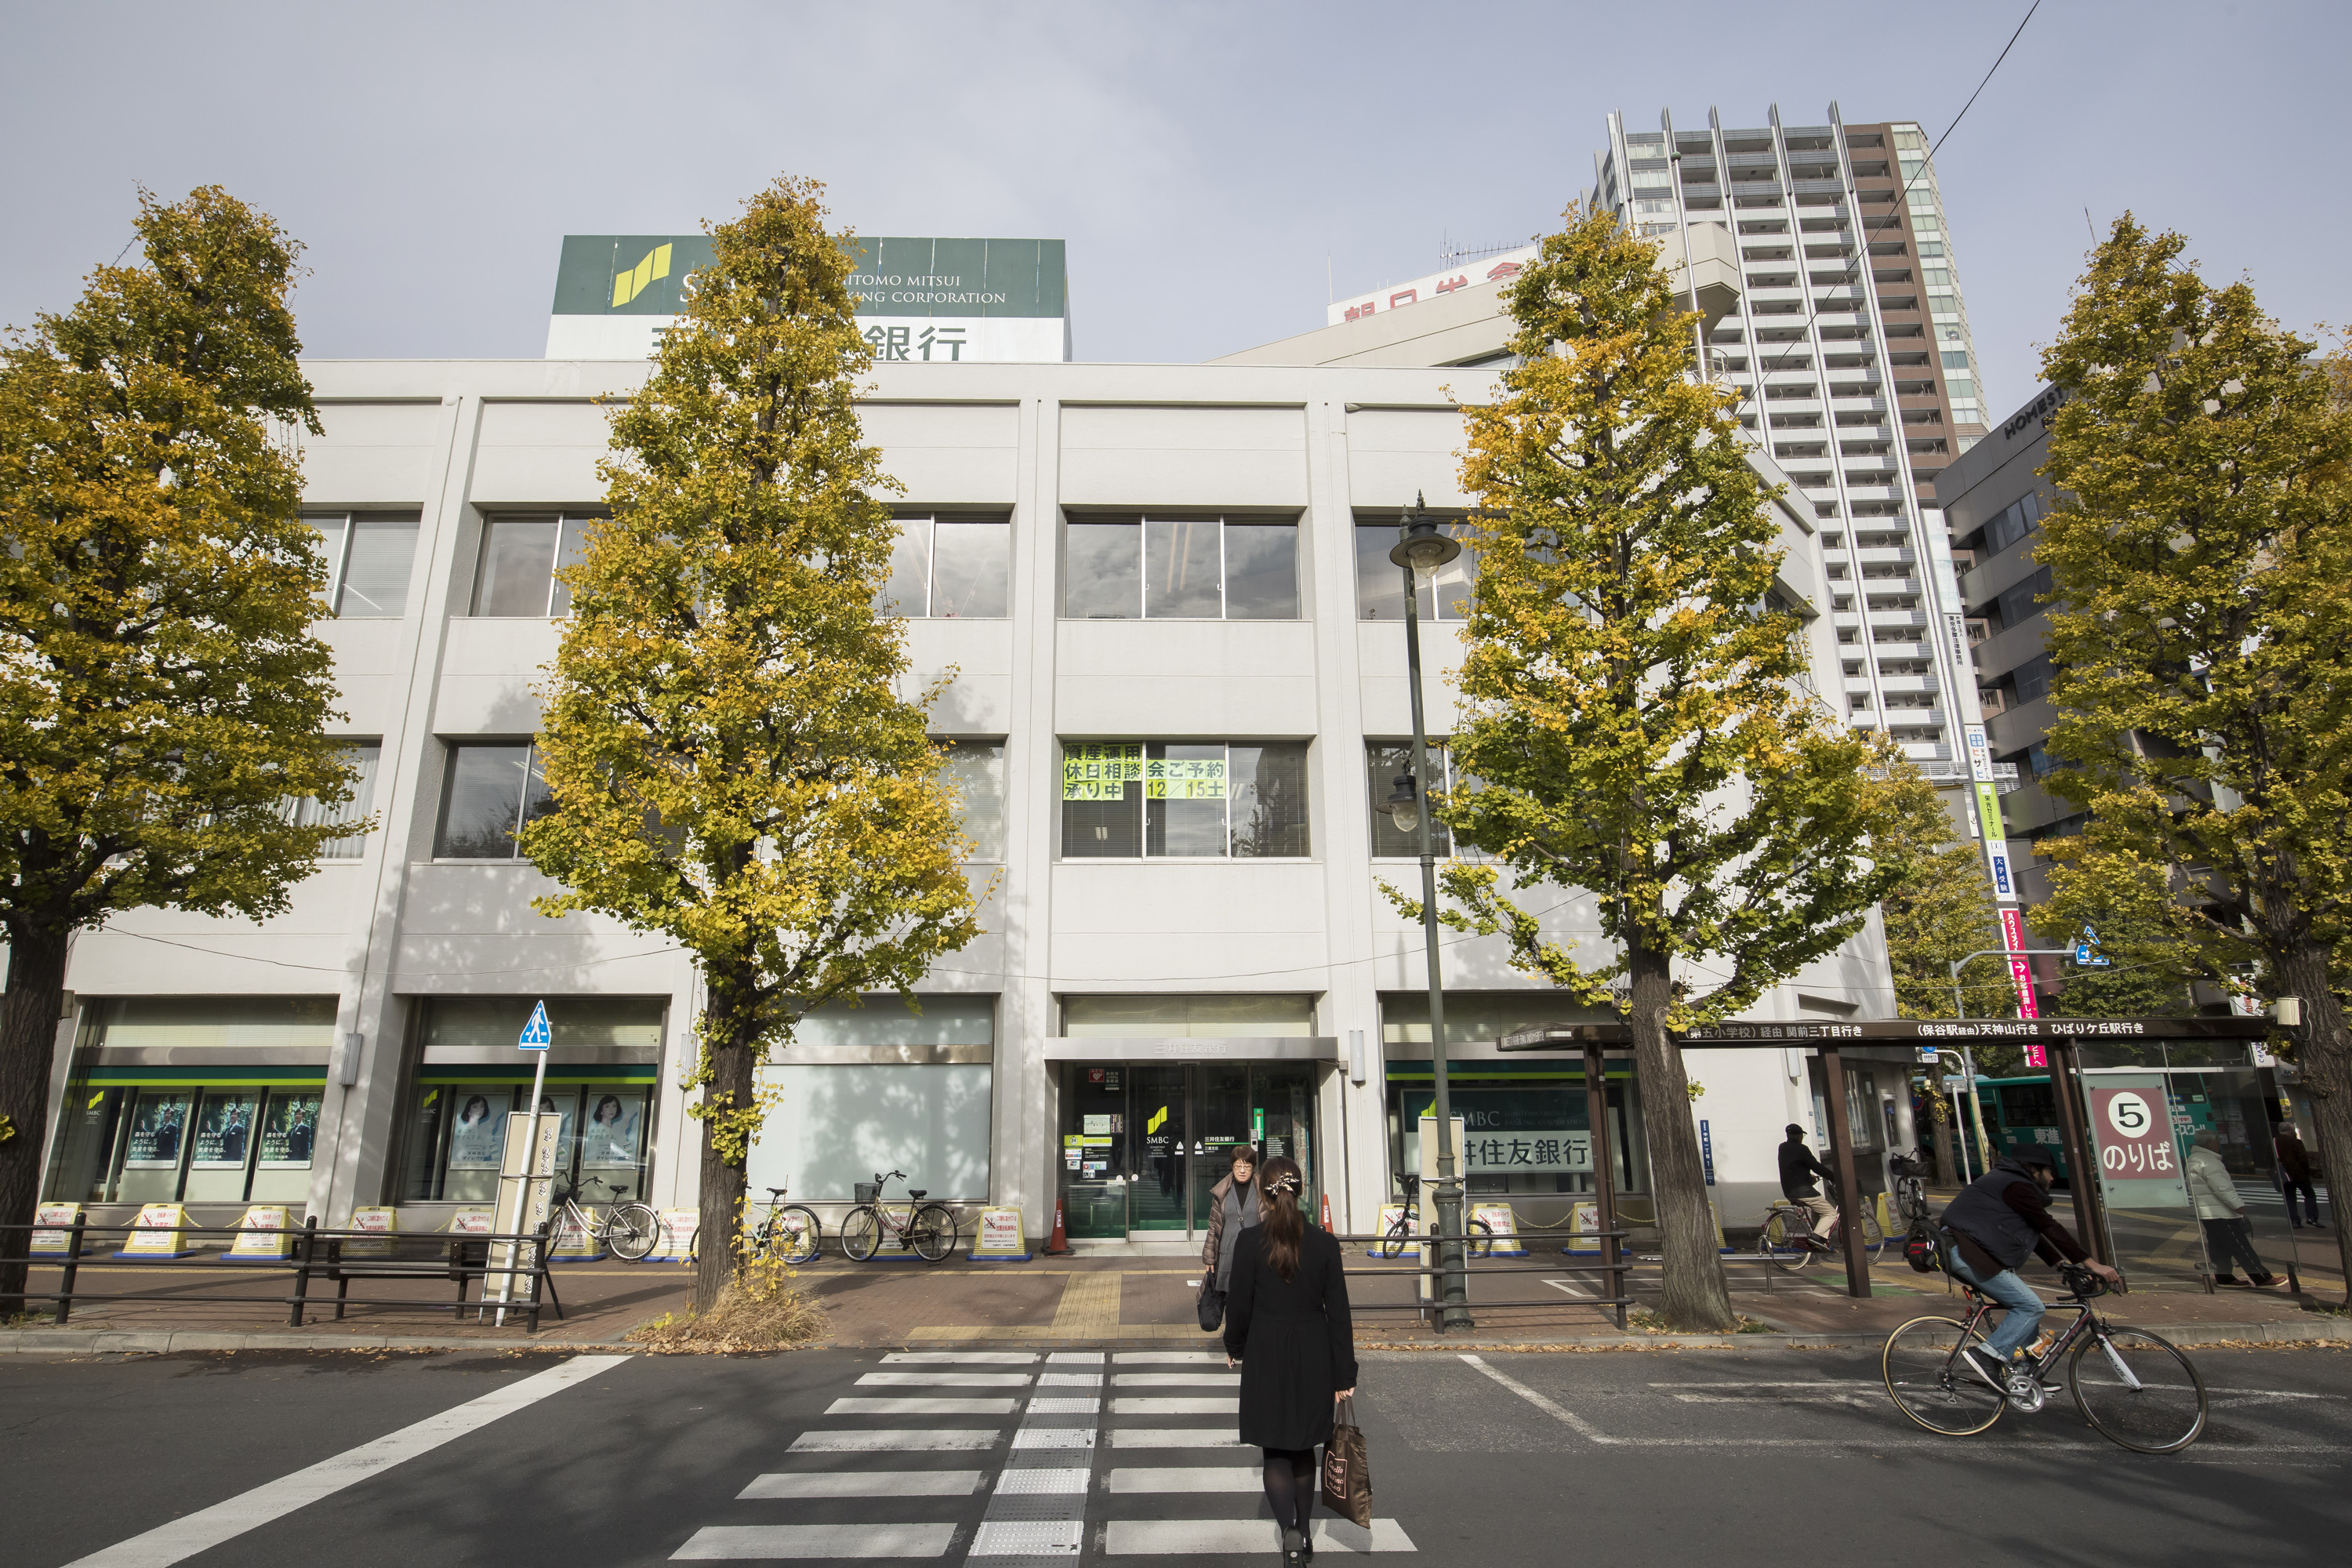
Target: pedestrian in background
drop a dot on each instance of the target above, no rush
(2228, 1234)
(1287, 1324)
(1233, 1211)
(2295, 1175)
(1799, 1170)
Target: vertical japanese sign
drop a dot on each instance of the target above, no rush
(1994, 837)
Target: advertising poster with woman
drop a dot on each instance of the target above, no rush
(611, 1135)
(474, 1140)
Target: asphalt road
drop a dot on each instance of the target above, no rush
(1672, 1458)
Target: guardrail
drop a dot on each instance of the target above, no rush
(315, 1254)
(1617, 1263)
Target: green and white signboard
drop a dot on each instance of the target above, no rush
(919, 301)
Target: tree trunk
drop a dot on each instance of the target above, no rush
(1696, 1299)
(1939, 1120)
(2325, 1058)
(29, 1036)
(733, 1063)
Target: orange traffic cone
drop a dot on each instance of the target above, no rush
(1059, 1244)
(1326, 1211)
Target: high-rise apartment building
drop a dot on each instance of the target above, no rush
(1851, 344)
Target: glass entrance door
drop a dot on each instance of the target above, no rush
(1155, 1192)
(1143, 1145)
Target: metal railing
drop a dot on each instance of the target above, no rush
(314, 1255)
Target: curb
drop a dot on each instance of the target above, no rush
(118, 1341)
(2322, 1330)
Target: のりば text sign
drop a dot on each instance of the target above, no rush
(2135, 1135)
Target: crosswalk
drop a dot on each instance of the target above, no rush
(1014, 1459)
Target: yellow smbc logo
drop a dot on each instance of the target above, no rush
(1159, 1120)
(632, 283)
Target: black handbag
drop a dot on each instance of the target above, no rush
(1211, 1307)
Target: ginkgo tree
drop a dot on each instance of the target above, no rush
(1636, 705)
(2201, 633)
(162, 699)
(732, 760)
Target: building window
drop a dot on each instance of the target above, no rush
(1383, 761)
(368, 561)
(364, 757)
(489, 794)
(1179, 568)
(976, 768)
(1161, 799)
(599, 1091)
(521, 555)
(947, 567)
(1380, 582)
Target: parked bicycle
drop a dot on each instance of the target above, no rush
(629, 1229)
(928, 1230)
(1911, 1172)
(1785, 1238)
(2135, 1388)
(790, 1233)
(1404, 1232)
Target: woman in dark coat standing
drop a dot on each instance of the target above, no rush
(1286, 1323)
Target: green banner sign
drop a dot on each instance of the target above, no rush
(645, 275)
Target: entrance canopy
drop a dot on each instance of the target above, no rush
(1193, 1049)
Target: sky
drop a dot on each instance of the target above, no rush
(1219, 172)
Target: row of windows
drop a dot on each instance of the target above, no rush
(1120, 800)
(945, 566)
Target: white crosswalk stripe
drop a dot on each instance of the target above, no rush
(1062, 1472)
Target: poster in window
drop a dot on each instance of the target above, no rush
(474, 1140)
(613, 1118)
(564, 1107)
(224, 1129)
(158, 1126)
(288, 1130)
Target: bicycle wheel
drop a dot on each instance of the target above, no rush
(861, 1233)
(1928, 1382)
(2138, 1390)
(931, 1233)
(1400, 1236)
(1873, 1240)
(1781, 1243)
(630, 1230)
(1480, 1240)
(794, 1234)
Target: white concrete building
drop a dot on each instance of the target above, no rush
(1127, 566)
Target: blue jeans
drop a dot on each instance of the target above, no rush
(2024, 1307)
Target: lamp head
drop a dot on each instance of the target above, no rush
(1419, 547)
(1404, 805)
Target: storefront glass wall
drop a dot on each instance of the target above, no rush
(904, 1092)
(176, 1099)
(455, 1130)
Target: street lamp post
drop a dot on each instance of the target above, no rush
(1420, 551)
(1960, 1011)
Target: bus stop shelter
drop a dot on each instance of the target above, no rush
(2062, 1039)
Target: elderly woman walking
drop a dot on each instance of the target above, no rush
(1233, 1210)
(1287, 1324)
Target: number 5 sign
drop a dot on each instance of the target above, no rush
(2134, 1137)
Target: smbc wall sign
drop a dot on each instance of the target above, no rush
(919, 301)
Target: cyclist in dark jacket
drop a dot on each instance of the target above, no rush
(1801, 1168)
(1997, 1220)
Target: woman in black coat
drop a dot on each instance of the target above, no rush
(1287, 1324)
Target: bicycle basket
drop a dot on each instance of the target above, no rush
(866, 1192)
(1902, 1166)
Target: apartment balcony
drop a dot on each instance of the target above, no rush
(1841, 297)
(1884, 619)
(1903, 649)
(1914, 685)
(2021, 727)
(1846, 402)
(1871, 555)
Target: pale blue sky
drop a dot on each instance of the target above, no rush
(1203, 162)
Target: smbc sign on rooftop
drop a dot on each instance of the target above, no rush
(919, 301)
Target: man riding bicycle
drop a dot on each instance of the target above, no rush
(1800, 1172)
(1999, 1218)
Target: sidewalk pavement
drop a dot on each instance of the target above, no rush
(1131, 1301)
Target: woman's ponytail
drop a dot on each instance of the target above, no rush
(1279, 1184)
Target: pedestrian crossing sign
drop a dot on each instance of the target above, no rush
(535, 1035)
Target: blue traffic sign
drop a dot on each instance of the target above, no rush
(536, 1036)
